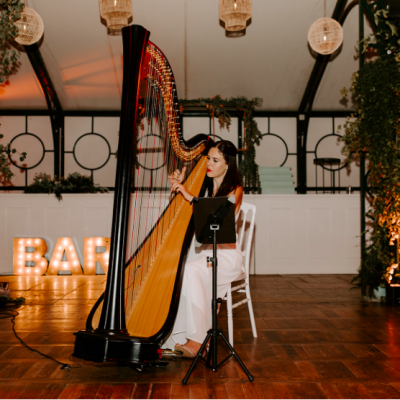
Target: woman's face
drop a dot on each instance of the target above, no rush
(216, 164)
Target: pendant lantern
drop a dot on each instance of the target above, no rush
(235, 14)
(116, 13)
(325, 35)
(30, 27)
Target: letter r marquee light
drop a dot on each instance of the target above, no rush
(90, 256)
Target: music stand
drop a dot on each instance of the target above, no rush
(214, 221)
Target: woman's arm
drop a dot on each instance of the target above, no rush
(179, 188)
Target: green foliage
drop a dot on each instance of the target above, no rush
(17, 300)
(374, 130)
(218, 108)
(9, 12)
(5, 171)
(74, 183)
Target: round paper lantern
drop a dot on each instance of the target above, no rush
(116, 13)
(30, 27)
(235, 14)
(325, 35)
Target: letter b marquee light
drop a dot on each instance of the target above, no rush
(36, 257)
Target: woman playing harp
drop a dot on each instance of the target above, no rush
(194, 313)
(150, 232)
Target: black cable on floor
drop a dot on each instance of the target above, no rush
(10, 312)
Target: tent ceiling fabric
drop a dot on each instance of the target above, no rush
(272, 61)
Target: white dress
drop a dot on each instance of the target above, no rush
(193, 319)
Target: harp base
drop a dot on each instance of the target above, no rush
(103, 346)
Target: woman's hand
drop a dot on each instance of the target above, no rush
(179, 188)
(177, 176)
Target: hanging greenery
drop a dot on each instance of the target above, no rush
(74, 183)
(219, 108)
(374, 130)
(9, 12)
(5, 171)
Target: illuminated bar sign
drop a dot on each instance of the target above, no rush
(28, 256)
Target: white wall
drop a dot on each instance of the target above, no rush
(313, 234)
(294, 234)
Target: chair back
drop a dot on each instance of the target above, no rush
(245, 230)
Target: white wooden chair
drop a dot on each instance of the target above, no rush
(245, 228)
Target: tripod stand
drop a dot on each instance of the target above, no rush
(214, 223)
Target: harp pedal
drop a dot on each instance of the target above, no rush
(172, 355)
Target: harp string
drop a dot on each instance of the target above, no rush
(131, 273)
(151, 199)
(157, 159)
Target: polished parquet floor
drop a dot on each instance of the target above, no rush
(316, 339)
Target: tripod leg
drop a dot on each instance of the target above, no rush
(210, 349)
(246, 371)
(197, 358)
(214, 338)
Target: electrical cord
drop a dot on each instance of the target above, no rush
(10, 312)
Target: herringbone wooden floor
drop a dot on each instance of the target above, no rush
(316, 339)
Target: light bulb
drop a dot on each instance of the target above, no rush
(325, 38)
(55, 263)
(59, 248)
(37, 257)
(43, 263)
(36, 241)
(65, 242)
(70, 247)
(20, 241)
(29, 242)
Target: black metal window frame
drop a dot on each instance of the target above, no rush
(186, 114)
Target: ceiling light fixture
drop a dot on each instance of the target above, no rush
(30, 27)
(116, 14)
(325, 35)
(235, 14)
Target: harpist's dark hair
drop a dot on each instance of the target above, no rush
(232, 177)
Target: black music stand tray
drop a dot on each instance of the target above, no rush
(214, 219)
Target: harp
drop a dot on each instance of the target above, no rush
(151, 230)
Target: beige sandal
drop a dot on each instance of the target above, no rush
(187, 353)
